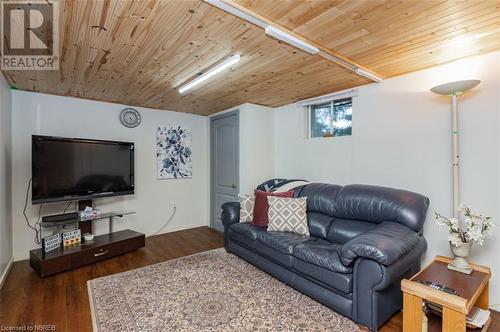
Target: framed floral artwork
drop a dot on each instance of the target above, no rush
(174, 152)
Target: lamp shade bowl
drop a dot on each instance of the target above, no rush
(455, 88)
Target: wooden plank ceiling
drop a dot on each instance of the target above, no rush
(138, 52)
(391, 37)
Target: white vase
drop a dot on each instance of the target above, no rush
(460, 254)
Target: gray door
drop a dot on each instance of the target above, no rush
(224, 137)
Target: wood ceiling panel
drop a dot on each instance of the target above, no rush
(391, 37)
(139, 52)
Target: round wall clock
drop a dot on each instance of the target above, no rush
(130, 117)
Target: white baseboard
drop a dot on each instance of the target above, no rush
(495, 307)
(6, 272)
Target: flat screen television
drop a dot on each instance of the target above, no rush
(65, 169)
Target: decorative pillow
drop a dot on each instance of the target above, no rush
(260, 208)
(288, 215)
(246, 207)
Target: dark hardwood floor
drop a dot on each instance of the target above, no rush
(62, 300)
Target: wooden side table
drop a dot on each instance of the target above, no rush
(472, 291)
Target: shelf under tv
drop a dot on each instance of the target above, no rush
(102, 247)
(88, 223)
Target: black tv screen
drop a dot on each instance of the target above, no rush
(66, 169)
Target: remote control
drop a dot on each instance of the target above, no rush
(439, 287)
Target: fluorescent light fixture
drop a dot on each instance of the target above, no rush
(338, 60)
(247, 15)
(237, 12)
(211, 72)
(369, 75)
(292, 40)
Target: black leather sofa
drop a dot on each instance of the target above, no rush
(364, 240)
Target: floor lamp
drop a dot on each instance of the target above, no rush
(455, 89)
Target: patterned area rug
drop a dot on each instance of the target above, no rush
(210, 291)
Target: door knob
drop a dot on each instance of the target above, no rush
(233, 186)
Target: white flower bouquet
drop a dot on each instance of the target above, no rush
(477, 227)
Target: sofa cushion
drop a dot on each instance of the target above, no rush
(321, 253)
(242, 239)
(282, 241)
(342, 282)
(342, 230)
(378, 204)
(319, 224)
(247, 230)
(272, 254)
(278, 245)
(320, 197)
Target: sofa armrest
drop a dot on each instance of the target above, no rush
(230, 213)
(383, 244)
(377, 288)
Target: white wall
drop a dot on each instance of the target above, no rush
(402, 138)
(5, 178)
(42, 114)
(256, 146)
(256, 127)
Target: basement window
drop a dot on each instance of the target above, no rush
(331, 119)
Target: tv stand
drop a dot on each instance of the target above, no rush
(60, 217)
(101, 247)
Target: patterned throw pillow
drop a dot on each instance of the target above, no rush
(246, 207)
(288, 215)
(261, 207)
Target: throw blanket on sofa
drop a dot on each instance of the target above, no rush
(281, 185)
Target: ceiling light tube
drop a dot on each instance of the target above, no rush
(237, 12)
(369, 75)
(292, 40)
(211, 72)
(338, 60)
(272, 30)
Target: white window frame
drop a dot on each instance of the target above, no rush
(309, 123)
(332, 97)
